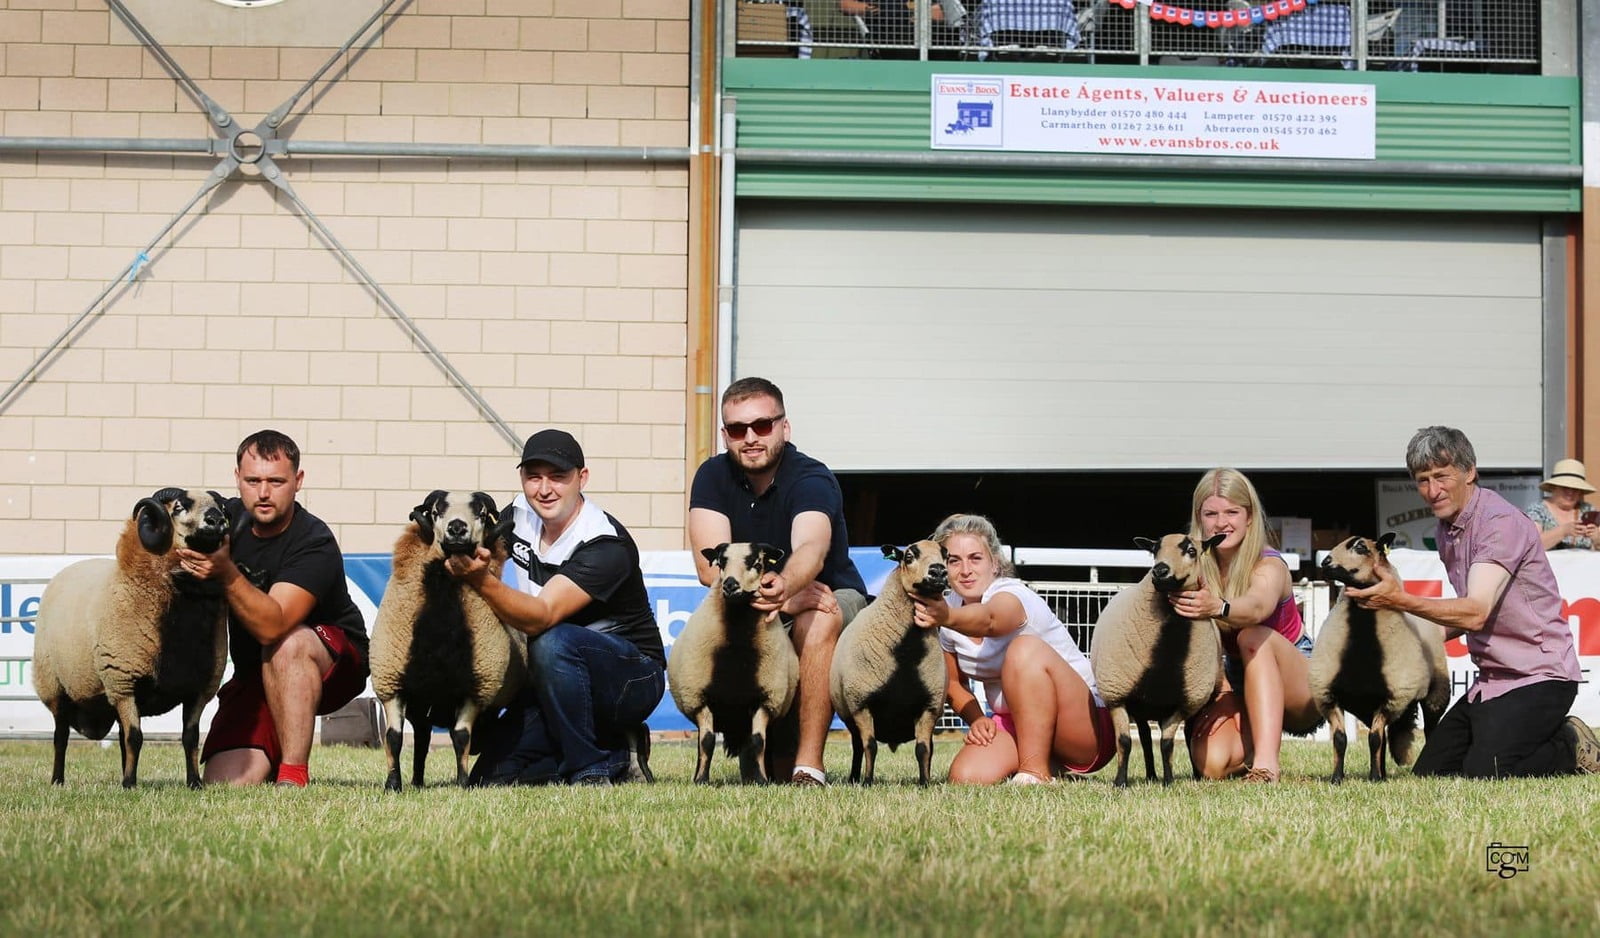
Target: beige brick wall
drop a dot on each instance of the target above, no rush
(559, 291)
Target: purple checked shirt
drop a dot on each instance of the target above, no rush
(1525, 640)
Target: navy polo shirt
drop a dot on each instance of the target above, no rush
(801, 484)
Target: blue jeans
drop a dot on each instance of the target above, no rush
(588, 689)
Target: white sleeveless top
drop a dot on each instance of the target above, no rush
(981, 658)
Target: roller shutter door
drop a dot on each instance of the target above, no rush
(990, 338)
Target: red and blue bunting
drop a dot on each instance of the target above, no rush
(1225, 19)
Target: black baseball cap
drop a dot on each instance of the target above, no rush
(556, 447)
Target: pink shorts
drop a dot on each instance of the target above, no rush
(244, 721)
(1103, 736)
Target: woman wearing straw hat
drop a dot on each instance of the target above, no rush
(1561, 514)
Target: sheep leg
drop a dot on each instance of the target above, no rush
(1149, 757)
(461, 738)
(869, 745)
(1119, 725)
(393, 738)
(924, 735)
(1169, 731)
(421, 736)
(1377, 736)
(1336, 727)
(857, 750)
(707, 742)
(131, 738)
(753, 761)
(58, 769)
(639, 752)
(191, 742)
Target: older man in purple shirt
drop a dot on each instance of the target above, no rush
(1513, 720)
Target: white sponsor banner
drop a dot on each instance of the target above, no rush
(1577, 576)
(1401, 509)
(1174, 117)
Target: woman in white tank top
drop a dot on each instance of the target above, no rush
(1046, 715)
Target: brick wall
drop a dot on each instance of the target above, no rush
(557, 290)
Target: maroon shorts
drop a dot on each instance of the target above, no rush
(244, 721)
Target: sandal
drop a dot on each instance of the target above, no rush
(1028, 778)
(1265, 776)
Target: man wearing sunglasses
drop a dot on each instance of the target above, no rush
(765, 490)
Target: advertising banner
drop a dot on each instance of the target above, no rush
(1171, 117)
(1402, 511)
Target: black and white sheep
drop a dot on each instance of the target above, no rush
(888, 679)
(439, 654)
(1151, 663)
(1375, 664)
(124, 638)
(732, 669)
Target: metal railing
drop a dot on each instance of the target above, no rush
(1398, 35)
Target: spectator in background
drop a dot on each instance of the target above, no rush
(1046, 715)
(1560, 515)
(1247, 591)
(890, 27)
(1513, 720)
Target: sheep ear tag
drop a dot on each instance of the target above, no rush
(771, 556)
(155, 525)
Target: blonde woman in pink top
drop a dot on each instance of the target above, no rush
(1043, 713)
(1247, 591)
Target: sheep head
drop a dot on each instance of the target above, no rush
(460, 522)
(921, 569)
(742, 566)
(198, 519)
(1177, 565)
(1355, 561)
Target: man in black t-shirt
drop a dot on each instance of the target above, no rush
(764, 490)
(594, 651)
(298, 643)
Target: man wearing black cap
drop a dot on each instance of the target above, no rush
(594, 651)
(763, 489)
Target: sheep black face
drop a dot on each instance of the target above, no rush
(199, 519)
(1177, 565)
(460, 521)
(922, 567)
(742, 567)
(1355, 561)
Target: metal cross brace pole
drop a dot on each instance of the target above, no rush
(256, 147)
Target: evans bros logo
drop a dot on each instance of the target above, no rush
(967, 87)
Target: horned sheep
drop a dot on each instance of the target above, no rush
(1376, 664)
(732, 669)
(439, 654)
(124, 638)
(887, 681)
(1151, 663)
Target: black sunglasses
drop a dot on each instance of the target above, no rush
(762, 427)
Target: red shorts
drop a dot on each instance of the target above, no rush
(1104, 737)
(244, 721)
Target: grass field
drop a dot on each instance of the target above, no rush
(345, 858)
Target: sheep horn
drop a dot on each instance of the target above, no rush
(155, 525)
(167, 494)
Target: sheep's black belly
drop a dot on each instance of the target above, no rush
(188, 655)
(733, 695)
(1359, 686)
(1159, 692)
(901, 699)
(439, 676)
